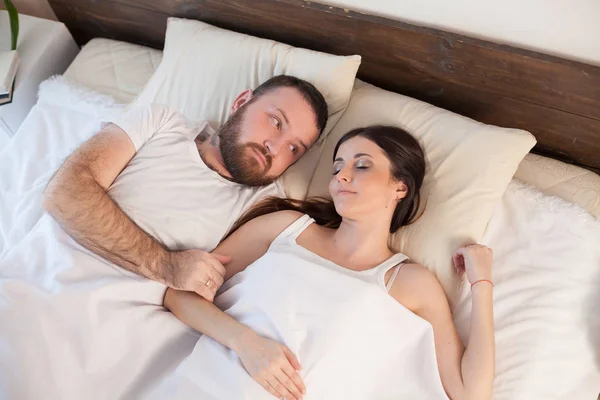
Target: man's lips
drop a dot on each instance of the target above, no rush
(260, 157)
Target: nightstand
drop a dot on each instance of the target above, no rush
(45, 48)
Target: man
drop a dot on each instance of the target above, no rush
(154, 194)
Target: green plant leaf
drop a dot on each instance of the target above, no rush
(13, 16)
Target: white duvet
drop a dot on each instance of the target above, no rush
(73, 326)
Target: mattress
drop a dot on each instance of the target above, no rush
(121, 70)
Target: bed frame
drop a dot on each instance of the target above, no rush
(555, 99)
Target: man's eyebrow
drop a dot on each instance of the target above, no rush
(284, 116)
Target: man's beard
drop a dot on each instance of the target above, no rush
(238, 158)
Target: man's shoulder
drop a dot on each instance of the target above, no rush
(174, 120)
(165, 112)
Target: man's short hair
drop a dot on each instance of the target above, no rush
(310, 93)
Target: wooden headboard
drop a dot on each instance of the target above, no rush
(555, 99)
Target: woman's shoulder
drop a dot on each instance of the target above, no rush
(416, 286)
(416, 271)
(279, 218)
(269, 226)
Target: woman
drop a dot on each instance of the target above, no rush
(326, 310)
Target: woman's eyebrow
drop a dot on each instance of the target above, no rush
(357, 155)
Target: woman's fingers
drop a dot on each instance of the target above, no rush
(281, 391)
(459, 263)
(290, 385)
(269, 388)
(222, 258)
(292, 358)
(294, 376)
(292, 369)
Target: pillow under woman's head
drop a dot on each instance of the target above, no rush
(468, 166)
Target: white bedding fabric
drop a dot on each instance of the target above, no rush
(546, 297)
(353, 340)
(547, 273)
(55, 126)
(73, 325)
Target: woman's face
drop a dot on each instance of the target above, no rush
(362, 185)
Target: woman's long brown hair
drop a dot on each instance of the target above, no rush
(407, 165)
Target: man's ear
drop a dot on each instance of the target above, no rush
(241, 99)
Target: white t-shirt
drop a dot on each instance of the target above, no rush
(169, 191)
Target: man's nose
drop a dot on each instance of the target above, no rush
(273, 147)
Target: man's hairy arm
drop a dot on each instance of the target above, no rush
(76, 197)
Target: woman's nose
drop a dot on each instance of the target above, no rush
(344, 175)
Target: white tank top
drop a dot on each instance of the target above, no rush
(354, 341)
(375, 275)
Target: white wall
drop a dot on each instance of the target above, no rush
(566, 28)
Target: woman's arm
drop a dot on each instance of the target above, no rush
(205, 317)
(478, 360)
(465, 373)
(268, 362)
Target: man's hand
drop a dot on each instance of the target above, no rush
(196, 271)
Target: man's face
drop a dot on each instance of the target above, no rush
(267, 134)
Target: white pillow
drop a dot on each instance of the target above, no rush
(469, 165)
(204, 68)
(546, 296)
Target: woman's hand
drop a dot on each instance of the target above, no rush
(475, 260)
(272, 365)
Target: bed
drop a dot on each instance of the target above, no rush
(116, 72)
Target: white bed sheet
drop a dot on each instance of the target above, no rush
(73, 325)
(50, 132)
(547, 266)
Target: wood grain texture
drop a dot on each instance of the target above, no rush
(555, 99)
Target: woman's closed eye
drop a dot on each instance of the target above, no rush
(337, 168)
(362, 164)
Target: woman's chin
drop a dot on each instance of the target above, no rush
(343, 208)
